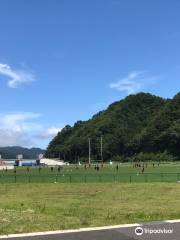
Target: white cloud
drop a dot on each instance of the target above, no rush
(133, 83)
(15, 120)
(14, 128)
(24, 129)
(49, 132)
(10, 137)
(16, 77)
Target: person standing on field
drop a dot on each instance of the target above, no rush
(117, 167)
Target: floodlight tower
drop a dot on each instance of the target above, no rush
(101, 148)
(89, 150)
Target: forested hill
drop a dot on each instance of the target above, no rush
(141, 123)
(28, 153)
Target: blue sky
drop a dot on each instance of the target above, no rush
(64, 60)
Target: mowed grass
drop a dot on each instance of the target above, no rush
(50, 206)
(126, 173)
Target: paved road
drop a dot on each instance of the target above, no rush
(122, 233)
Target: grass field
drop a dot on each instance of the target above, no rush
(78, 197)
(39, 207)
(126, 173)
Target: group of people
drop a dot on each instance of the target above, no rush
(96, 166)
(143, 165)
(59, 169)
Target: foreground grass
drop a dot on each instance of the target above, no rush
(40, 207)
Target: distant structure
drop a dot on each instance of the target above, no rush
(4, 165)
(52, 162)
(19, 157)
(40, 156)
(18, 161)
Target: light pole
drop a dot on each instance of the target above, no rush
(89, 150)
(101, 148)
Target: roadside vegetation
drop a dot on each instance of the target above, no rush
(40, 207)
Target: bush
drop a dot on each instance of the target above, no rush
(157, 157)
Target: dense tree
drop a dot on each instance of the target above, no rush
(28, 153)
(139, 123)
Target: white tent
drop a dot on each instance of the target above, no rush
(4, 167)
(51, 162)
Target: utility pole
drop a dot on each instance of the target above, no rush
(89, 150)
(101, 148)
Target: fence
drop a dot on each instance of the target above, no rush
(82, 178)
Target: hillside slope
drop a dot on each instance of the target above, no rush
(28, 153)
(163, 132)
(125, 127)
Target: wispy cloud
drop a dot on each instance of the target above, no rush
(133, 83)
(16, 77)
(19, 121)
(49, 132)
(15, 128)
(25, 129)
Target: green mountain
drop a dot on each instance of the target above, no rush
(28, 153)
(139, 123)
(163, 131)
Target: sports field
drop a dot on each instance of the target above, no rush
(165, 172)
(34, 199)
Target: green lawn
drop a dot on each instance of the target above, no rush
(50, 206)
(126, 173)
